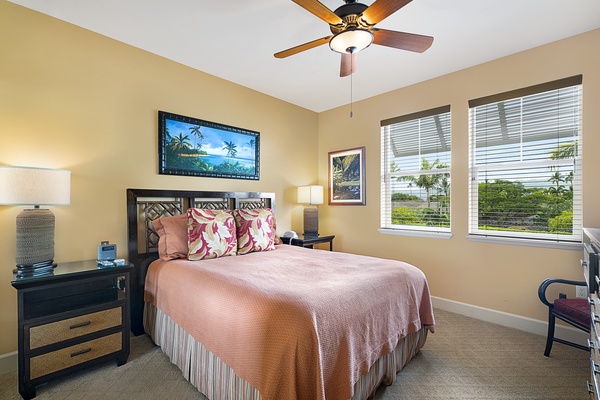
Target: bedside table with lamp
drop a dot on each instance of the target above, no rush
(311, 196)
(70, 315)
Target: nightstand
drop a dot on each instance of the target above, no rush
(73, 317)
(309, 241)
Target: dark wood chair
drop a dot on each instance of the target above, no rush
(575, 312)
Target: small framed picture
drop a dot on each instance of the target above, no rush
(347, 177)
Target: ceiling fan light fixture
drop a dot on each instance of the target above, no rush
(351, 41)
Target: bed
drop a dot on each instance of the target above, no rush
(280, 322)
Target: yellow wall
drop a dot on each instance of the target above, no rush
(72, 99)
(500, 277)
(76, 100)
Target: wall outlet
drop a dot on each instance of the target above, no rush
(581, 292)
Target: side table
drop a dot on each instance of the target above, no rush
(75, 316)
(309, 241)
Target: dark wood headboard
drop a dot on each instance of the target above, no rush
(146, 205)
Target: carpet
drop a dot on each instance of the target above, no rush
(464, 359)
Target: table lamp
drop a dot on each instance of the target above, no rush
(26, 186)
(311, 195)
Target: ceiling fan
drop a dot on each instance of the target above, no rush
(353, 29)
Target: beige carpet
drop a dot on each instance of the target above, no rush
(465, 359)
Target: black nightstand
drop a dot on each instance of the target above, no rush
(73, 317)
(309, 241)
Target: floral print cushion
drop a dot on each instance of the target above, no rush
(254, 230)
(211, 234)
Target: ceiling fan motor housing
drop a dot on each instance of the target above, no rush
(350, 14)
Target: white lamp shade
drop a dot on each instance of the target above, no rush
(355, 39)
(310, 194)
(25, 186)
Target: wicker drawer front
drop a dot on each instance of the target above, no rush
(73, 327)
(69, 356)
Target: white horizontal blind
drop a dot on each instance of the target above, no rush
(415, 171)
(525, 163)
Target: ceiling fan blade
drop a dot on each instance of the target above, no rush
(402, 40)
(348, 65)
(318, 9)
(303, 47)
(382, 9)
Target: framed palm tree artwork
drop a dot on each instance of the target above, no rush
(347, 177)
(194, 147)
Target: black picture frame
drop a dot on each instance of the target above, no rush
(194, 147)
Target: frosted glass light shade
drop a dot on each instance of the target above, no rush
(25, 186)
(351, 41)
(310, 194)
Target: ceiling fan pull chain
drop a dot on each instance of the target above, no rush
(351, 79)
(351, 95)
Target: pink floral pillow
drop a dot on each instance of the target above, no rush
(254, 230)
(277, 240)
(211, 234)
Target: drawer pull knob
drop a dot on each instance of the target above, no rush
(80, 325)
(80, 352)
(590, 344)
(590, 388)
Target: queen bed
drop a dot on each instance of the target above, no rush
(271, 321)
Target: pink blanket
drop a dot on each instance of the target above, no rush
(295, 323)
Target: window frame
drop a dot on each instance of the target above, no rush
(387, 227)
(553, 240)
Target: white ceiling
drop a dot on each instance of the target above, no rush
(236, 39)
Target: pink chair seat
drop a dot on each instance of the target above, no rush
(575, 309)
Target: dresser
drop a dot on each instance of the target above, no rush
(73, 317)
(590, 264)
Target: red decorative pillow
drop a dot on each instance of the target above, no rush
(172, 237)
(254, 230)
(211, 234)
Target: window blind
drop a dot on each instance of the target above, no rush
(415, 171)
(525, 163)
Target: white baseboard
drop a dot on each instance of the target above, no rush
(510, 320)
(8, 362)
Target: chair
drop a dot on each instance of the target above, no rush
(575, 312)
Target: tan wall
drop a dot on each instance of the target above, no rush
(500, 277)
(72, 99)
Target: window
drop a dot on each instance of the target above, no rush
(415, 173)
(525, 164)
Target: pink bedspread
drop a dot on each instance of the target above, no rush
(295, 323)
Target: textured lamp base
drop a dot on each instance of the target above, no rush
(311, 221)
(35, 241)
